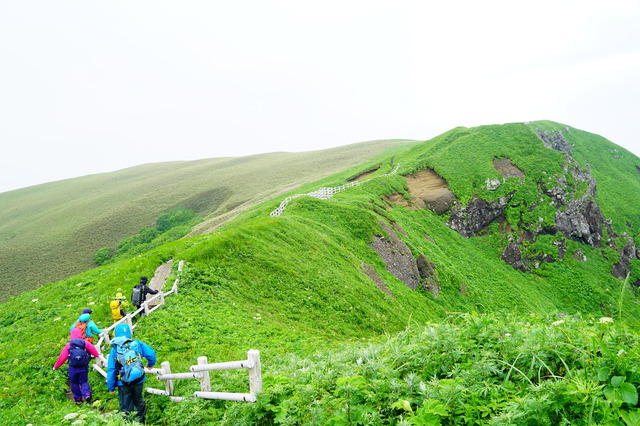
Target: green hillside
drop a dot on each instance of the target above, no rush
(489, 280)
(52, 231)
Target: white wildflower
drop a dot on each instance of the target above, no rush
(92, 303)
(71, 416)
(556, 323)
(78, 422)
(507, 334)
(79, 284)
(34, 300)
(57, 319)
(606, 320)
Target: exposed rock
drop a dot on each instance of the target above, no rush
(578, 219)
(579, 256)
(428, 275)
(397, 257)
(492, 184)
(513, 256)
(554, 140)
(477, 214)
(621, 269)
(371, 273)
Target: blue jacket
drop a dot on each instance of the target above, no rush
(92, 328)
(123, 333)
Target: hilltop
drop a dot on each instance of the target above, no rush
(471, 277)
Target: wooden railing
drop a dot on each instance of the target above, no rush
(146, 308)
(201, 372)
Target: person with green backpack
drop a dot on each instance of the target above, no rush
(125, 370)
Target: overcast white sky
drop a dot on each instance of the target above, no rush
(89, 87)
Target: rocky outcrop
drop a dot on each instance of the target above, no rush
(622, 268)
(397, 256)
(512, 255)
(554, 140)
(400, 263)
(579, 218)
(428, 275)
(476, 215)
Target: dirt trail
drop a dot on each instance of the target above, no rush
(159, 277)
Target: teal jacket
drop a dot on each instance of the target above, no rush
(92, 328)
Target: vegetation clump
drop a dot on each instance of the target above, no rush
(170, 226)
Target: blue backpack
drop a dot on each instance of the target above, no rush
(130, 360)
(78, 355)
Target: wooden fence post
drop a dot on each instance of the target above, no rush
(168, 384)
(205, 382)
(255, 377)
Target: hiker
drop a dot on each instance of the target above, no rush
(140, 291)
(117, 313)
(126, 371)
(86, 325)
(78, 353)
(122, 298)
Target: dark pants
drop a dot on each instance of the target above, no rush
(79, 383)
(130, 397)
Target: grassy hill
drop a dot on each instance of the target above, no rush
(385, 304)
(52, 231)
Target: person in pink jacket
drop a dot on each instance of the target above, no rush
(78, 353)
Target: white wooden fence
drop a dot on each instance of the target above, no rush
(201, 372)
(325, 193)
(146, 308)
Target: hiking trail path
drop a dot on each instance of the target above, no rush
(159, 278)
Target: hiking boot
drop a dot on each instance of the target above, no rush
(78, 402)
(87, 399)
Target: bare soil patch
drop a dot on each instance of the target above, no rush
(364, 175)
(427, 190)
(506, 168)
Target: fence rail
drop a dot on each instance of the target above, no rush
(201, 372)
(325, 193)
(156, 301)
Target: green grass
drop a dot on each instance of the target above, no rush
(51, 231)
(336, 349)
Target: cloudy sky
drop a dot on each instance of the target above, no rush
(89, 87)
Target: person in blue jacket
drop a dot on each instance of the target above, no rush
(129, 394)
(86, 324)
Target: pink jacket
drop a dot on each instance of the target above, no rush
(75, 334)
